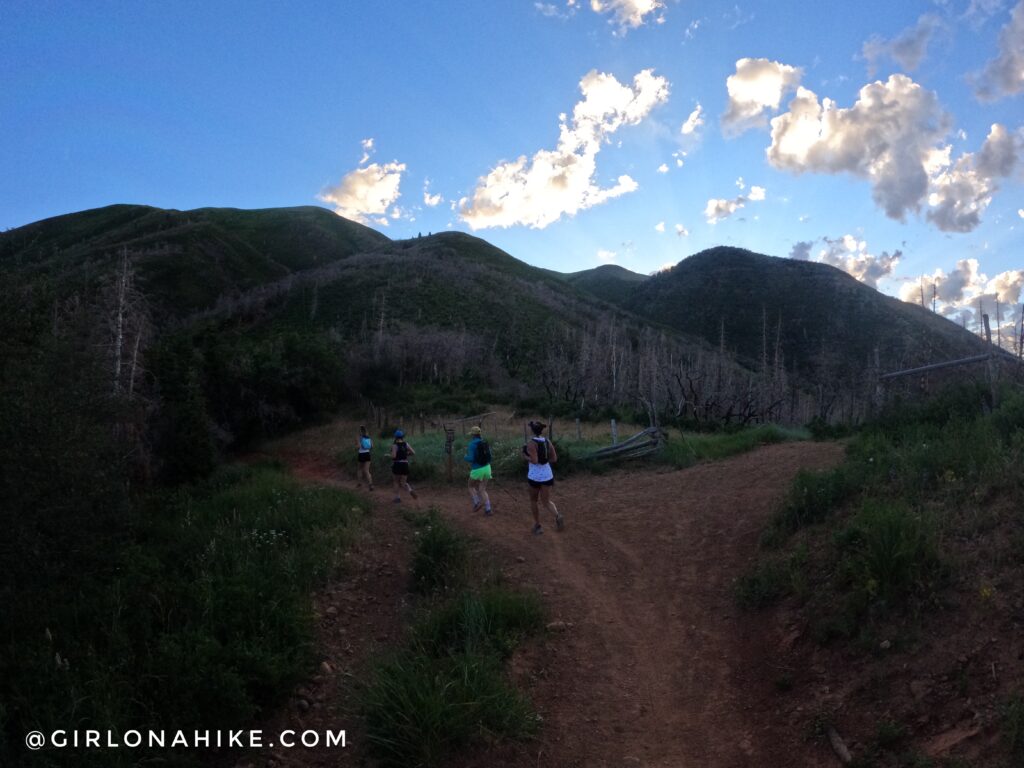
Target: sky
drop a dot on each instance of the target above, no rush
(884, 138)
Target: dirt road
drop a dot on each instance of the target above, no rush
(655, 666)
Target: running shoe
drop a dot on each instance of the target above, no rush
(559, 522)
(476, 506)
(537, 530)
(488, 512)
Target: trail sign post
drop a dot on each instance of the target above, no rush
(449, 440)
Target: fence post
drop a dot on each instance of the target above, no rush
(615, 433)
(579, 435)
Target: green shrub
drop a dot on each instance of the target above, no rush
(420, 708)
(493, 621)
(1013, 725)
(440, 560)
(889, 549)
(772, 579)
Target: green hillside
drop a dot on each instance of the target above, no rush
(610, 282)
(827, 323)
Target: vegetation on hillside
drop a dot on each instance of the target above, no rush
(194, 612)
(446, 689)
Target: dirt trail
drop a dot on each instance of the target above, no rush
(656, 666)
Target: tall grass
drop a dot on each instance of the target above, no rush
(883, 513)
(446, 689)
(204, 619)
(690, 449)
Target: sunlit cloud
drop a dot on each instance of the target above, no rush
(1004, 75)
(628, 14)
(757, 86)
(966, 292)
(693, 122)
(606, 257)
(367, 194)
(893, 136)
(663, 168)
(659, 227)
(720, 208)
(367, 145)
(682, 231)
(908, 49)
(538, 191)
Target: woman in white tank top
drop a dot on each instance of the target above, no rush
(541, 454)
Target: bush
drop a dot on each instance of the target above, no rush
(494, 621)
(889, 550)
(440, 560)
(420, 708)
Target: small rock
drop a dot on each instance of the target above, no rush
(630, 761)
(326, 668)
(331, 611)
(885, 645)
(557, 626)
(520, 559)
(303, 705)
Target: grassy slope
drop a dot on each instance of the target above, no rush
(821, 309)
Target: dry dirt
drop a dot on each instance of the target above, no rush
(650, 662)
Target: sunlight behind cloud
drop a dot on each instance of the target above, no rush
(538, 191)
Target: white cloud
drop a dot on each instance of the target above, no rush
(663, 168)
(719, 208)
(659, 227)
(538, 191)
(892, 136)
(908, 48)
(1004, 75)
(1020, 212)
(430, 200)
(691, 29)
(366, 194)
(682, 231)
(757, 193)
(628, 14)
(958, 293)
(851, 255)
(679, 158)
(757, 86)
(741, 184)
(367, 145)
(693, 122)
(606, 257)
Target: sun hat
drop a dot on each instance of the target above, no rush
(399, 433)
(474, 430)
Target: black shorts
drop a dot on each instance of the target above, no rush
(400, 468)
(539, 483)
(364, 457)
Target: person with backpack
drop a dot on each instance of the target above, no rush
(478, 454)
(400, 453)
(541, 454)
(363, 447)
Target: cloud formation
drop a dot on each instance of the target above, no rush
(1004, 75)
(538, 191)
(367, 194)
(719, 208)
(908, 48)
(893, 137)
(851, 255)
(959, 294)
(628, 14)
(757, 86)
(693, 122)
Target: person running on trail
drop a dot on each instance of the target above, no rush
(400, 453)
(363, 447)
(541, 454)
(478, 454)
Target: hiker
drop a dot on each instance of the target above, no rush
(400, 453)
(363, 447)
(478, 454)
(541, 454)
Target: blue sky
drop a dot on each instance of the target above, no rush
(551, 129)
